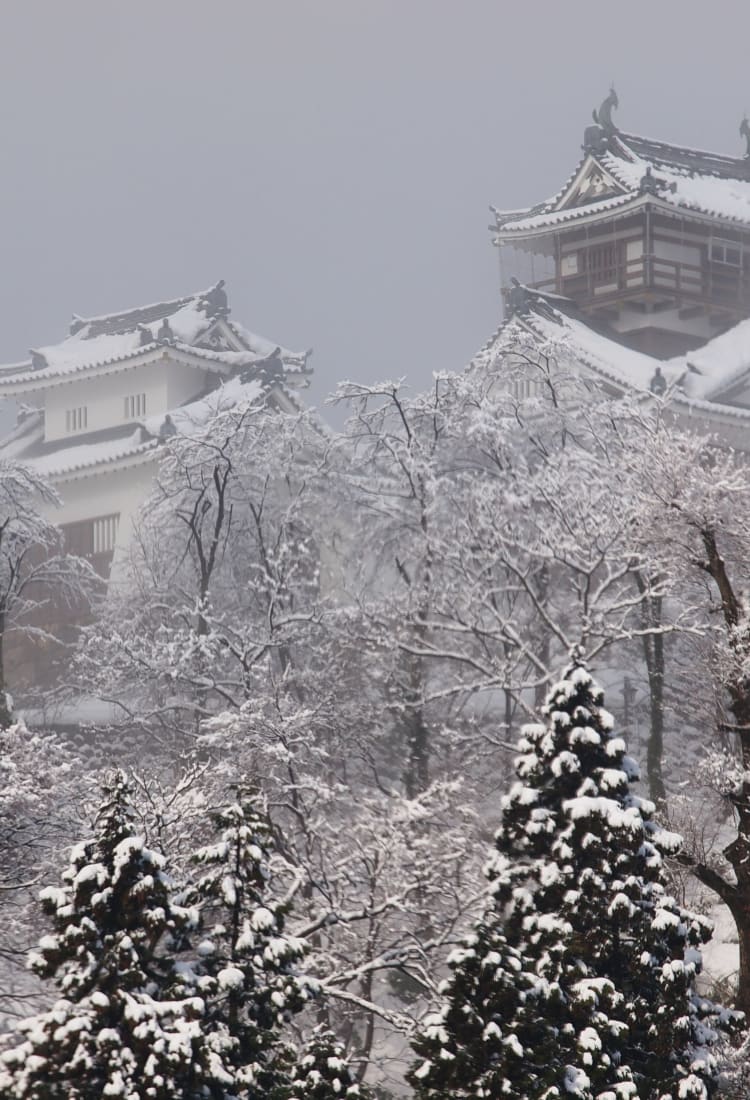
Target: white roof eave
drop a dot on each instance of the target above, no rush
(105, 466)
(193, 358)
(573, 219)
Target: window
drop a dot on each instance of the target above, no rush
(726, 252)
(521, 388)
(94, 539)
(135, 405)
(602, 262)
(76, 419)
(105, 533)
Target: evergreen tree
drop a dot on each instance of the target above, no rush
(580, 980)
(247, 967)
(118, 1028)
(322, 1071)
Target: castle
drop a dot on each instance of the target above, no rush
(639, 267)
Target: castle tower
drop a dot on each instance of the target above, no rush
(650, 240)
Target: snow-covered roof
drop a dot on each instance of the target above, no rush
(707, 378)
(128, 444)
(629, 171)
(194, 330)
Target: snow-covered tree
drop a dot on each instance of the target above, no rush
(356, 686)
(221, 588)
(119, 1026)
(458, 609)
(580, 979)
(248, 962)
(37, 577)
(38, 793)
(322, 1071)
(379, 880)
(695, 500)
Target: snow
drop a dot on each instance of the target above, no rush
(79, 351)
(83, 455)
(263, 919)
(681, 187)
(589, 1039)
(609, 358)
(571, 213)
(262, 347)
(90, 347)
(513, 1044)
(721, 361)
(84, 710)
(188, 418)
(721, 198)
(231, 977)
(616, 817)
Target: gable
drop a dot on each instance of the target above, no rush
(219, 337)
(591, 183)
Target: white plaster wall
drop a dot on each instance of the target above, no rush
(182, 383)
(679, 253)
(121, 491)
(166, 384)
(104, 399)
(630, 320)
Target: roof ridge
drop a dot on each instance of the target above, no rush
(176, 302)
(625, 136)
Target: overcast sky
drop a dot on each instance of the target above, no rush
(333, 160)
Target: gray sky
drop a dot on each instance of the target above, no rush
(333, 160)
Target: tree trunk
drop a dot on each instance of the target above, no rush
(653, 654)
(6, 718)
(737, 894)
(740, 910)
(543, 645)
(417, 772)
(653, 650)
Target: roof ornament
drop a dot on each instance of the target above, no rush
(167, 428)
(165, 334)
(603, 117)
(745, 133)
(269, 369)
(214, 302)
(272, 367)
(145, 336)
(650, 184)
(596, 137)
(517, 298)
(658, 384)
(38, 362)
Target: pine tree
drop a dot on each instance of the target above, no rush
(118, 1028)
(247, 969)
(580, 980)
(322, 1071)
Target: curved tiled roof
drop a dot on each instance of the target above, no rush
(126, 444)
(687, 180)
(194, 326)
(700, 378)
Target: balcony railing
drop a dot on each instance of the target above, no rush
(718, 284)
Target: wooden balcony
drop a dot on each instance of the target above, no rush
(653, 278)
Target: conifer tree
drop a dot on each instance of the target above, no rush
(322, 1071)
(247, 968)
(118, 1028)
(580, 980)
